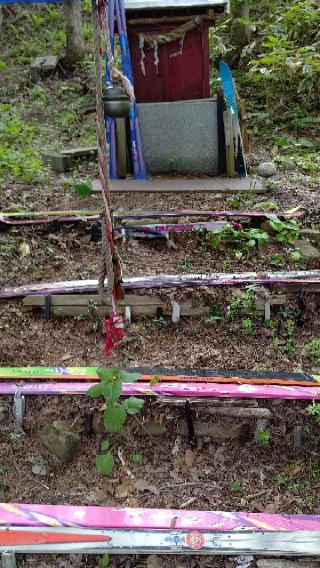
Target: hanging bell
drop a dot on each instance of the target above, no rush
(116, 101)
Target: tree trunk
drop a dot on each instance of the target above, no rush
(75, 43)
(240, 32)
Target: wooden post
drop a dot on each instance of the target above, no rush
(121, 147)
(228, 129)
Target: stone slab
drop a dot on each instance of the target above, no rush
(180, 137)
(43, 64)
(81, 152)
(184, 185)
(307, 250)
(59, 163)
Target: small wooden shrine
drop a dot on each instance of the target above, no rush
(169, 46)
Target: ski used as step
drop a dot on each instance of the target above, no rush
(84, 541)
(229, 93)
(165, 375)
(97, 530)
(42, 217)
(243, 384)
(286, 278)
(172, 390)
(71, 529)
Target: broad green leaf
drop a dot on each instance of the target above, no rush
(305, 143)
(105, 560)
(295, 256)
(155, 380)
(293, 210)
(133, 405)
(108, 374)
(105, 464)
(116, 389)
(105, 446)
(138, 458)
(82, 189)
(112, 391)
(95, 391)
(275, 222)
(114, 417)
(129, 377)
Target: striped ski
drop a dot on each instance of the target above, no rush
(47, 528)
(303, 379)
(73, 216)
(77, 381)
(287, 278)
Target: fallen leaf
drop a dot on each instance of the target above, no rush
(67, 356)
(171, 245)
(121, 492)
(24, 249)
(142, 485)
(189, 458)
(273, 506)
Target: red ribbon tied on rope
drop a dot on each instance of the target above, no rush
(114, 327)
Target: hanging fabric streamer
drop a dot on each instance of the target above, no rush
(111, 267)
(116, 13)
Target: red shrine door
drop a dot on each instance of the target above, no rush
(172, 71)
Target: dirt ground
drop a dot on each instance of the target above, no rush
(234, 474)
(219, 474)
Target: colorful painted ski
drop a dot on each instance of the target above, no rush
(38, 217)
(287, 278)
(164, 375)
(173, 389)
(55, 528)
(170, 541)
(229, 92)
(27, 515)
(45, 217)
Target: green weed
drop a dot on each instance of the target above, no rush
(185, 265)
(314, 410)
(116, 411)
(264, 437)
(311, 351)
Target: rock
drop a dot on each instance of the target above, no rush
(60, 440)
(39, 468)
(313, 234)
(243, 561)
(43, 65)
(288, 164)
(214, 431)
(58, 163)
(307, 250)
(267, 169)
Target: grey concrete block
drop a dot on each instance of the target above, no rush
(59, 163)
(180, 137)
(43, 64)
(307, 250)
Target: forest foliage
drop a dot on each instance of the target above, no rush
(282, 58)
